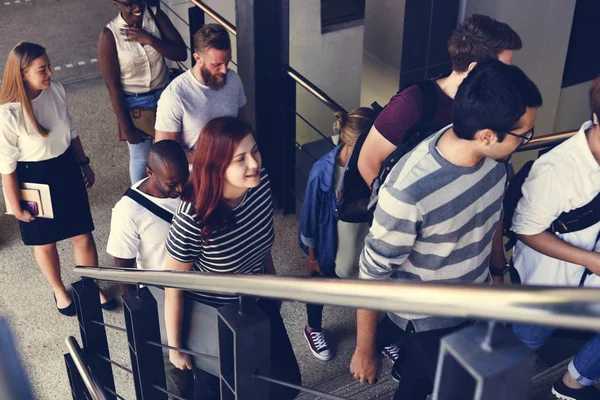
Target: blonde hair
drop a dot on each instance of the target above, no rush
(353, 124)
(13, 86)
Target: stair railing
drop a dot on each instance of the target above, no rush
(243, 331)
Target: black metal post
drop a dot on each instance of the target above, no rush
(483, 362)
(86, 296)
(147, 364)
(262, 51)
(244, 351)
(78, 389)
(287, 140)
(196, 20)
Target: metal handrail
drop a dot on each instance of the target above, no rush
(88, 378)
(313, 89)
(566, 307)
(216, 16)
(547, 140)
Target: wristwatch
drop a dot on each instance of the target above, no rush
(500, 271)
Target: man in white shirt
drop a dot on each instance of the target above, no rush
(138, 229)
(137, 234)
(558, 226)
(207, 91)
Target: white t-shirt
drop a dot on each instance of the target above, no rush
(564, 179)
(186, 105)
(137, 233)
(22, 142)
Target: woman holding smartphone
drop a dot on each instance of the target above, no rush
(131, 51)
(224, 225)
(39, 144)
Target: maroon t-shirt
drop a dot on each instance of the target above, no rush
(404, 111)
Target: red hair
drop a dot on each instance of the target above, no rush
(213, 154)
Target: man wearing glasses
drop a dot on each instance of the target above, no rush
(437, 214)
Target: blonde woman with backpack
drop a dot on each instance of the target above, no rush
(333, 246)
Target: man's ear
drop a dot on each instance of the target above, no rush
(149, 171)
(595, 118)
(486, 137)
(471, 67)
(197, 57)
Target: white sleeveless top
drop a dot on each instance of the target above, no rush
(142, 67)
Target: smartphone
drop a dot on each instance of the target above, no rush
(30, 206)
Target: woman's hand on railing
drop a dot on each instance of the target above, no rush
(180, 360)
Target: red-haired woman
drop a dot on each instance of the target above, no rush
(224, 225)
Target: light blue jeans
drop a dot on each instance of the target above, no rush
(139, 152)
(137, 160)
(585, 367)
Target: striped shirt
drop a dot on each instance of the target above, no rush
(241, 249)
(434, 222)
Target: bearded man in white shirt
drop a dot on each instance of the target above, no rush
(206, 91)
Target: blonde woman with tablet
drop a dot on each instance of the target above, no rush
(39, 144)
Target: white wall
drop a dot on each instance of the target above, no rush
(224, 7)
(384, 25)
(545, 28)
(573, 107)
(382, 56)
(332, 61)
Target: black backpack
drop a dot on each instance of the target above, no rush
(354, 204)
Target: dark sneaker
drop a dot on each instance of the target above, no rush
(318, 344)
(563, 392)
(393, 352)
(396, 372)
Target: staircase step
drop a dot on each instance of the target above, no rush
(345, 386)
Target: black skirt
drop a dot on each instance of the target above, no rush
(70, 203)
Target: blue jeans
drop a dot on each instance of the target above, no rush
(585, 367)
(139, 152)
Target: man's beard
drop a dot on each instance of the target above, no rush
(214, 82)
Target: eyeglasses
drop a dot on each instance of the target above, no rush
(525, 137)
(130, 4)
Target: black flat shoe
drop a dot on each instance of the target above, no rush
(69, 310)
(109, 305)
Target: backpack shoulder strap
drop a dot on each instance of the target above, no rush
(430, 100)
(149, 205)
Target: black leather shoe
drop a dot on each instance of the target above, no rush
(109, 305)
(69, 310)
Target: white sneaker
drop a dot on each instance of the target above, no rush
(318, 344)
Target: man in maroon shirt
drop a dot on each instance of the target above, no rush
(477, 39)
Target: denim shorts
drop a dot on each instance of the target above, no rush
(142, 100)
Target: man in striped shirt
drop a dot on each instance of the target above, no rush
(438, 212)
